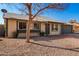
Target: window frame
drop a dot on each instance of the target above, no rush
(54, 27)
(19, 25)
(37, 26)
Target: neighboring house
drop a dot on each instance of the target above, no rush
(75, 26)
(18, 23)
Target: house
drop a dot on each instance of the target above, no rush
(75, 26)
(18, 23)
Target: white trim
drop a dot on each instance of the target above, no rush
(55, 32)
(18, 25)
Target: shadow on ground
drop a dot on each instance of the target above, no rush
(71, 49)
(55, 37)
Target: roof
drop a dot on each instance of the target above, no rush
(15, 16)
(67, 24)
(37, 18)
(24, 17)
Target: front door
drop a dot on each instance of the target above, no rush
(47, 28)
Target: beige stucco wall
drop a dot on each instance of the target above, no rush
(42, 27)
(75, 27)
(11, 27)
(55, 32)
(34, 34)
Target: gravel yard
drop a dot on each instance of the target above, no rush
(63, 45)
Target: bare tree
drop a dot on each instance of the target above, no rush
(34, 9)
(38, 8)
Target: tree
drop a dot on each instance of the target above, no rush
(34, 9)
(39, 8)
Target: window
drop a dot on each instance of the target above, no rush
(55, 27)
(36, 25)
(22, 25)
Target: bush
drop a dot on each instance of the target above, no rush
(15, 34)
(42, 33)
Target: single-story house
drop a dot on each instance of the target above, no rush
(18, 23)
(75, 26)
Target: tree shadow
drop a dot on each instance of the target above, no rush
(48, 38)
(55, 37)
(76, 48)
(76, 35)
(71, 49)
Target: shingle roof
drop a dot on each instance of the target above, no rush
(16, 16)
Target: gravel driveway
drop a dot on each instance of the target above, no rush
(61, 45)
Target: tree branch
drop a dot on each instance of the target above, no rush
(39, 11)
(49, 6)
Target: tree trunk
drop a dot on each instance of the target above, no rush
(28, 30)
(29, 22)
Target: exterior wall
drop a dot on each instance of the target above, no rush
(42, 27)
(75, 27)
(55, 32)
(11, 27)
(23, 34)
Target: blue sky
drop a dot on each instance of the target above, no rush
(72, 12)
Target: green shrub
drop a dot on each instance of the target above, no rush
(42, 33)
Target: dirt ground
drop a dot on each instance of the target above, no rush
(61, 45)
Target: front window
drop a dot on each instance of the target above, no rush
(22, 25)
(36, 25)
(54, 27)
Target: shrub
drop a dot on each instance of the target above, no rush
(42, 33)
